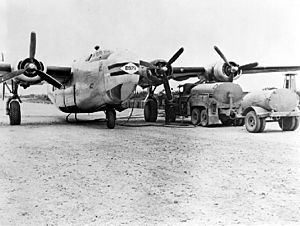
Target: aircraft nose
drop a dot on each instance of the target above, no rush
(122, 92)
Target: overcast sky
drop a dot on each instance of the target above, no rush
(266, 31)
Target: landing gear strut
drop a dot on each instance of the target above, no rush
(111, 118)
(13, 109)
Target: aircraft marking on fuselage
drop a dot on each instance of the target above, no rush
(123, 68)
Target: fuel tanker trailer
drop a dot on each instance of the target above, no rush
(209, 103)
(276, 104)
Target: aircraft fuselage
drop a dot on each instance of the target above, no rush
(97, 84)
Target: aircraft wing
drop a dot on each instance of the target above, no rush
(4, 68)
(183, 73)
(61, 74)
(255, 70)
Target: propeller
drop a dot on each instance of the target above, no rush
(163, 70)
(31, 67)
(232, 68)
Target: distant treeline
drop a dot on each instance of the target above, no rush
(36, 98)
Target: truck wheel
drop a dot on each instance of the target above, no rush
(14, 113)
(204, 118)
(195, 116)
(150, 111)
(252, 122)
(287, 123)
(262, 125)
(111, 118)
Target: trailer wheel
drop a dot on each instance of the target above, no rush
(195, 116)
(204, 118)
(288, 123)
(150, 111)
(297, 119)
(252, 122)
(14, 113)
(262, 125)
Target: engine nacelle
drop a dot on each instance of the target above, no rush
(222, 72)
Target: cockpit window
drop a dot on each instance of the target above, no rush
(99, 55)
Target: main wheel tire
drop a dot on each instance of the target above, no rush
(150, 111)
(172, 114)
(288, 123)
(204, 118)
(111, 118)
(195, 116)
(252, 122)
(262, 125)
(14, 113)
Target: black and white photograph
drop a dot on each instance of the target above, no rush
(162, 112)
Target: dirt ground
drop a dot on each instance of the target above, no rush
(58, 173)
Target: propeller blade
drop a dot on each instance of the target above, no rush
(175, 56)
(49, 79)
(147, 64)
(167, 89)
(2, 57)
(248, 66)
(11, 75)
(32, 45)
(221, 55)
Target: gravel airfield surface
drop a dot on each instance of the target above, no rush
(58, 173)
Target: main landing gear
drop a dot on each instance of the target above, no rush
(13, 109)
(150, 109)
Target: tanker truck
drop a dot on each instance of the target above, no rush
(209, 103)
(277, 105)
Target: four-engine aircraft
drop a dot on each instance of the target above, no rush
(105, 79)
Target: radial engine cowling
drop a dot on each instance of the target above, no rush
(222, 72)
(30, 74)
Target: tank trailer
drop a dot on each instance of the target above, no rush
(276, 105)
(209, 103)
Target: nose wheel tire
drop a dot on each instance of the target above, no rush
(14, 113)
(111, 118)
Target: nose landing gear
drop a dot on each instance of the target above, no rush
(110, 118)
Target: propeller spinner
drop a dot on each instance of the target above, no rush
(232, 69)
